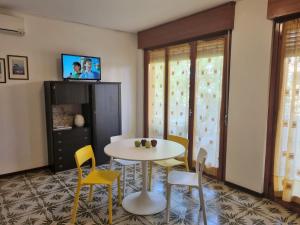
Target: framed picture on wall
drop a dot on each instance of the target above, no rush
(2, 71)
(17, 67)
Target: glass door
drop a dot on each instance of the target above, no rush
(156, 93)
(208, 101)
(187, 97)
(179, 64)
(287, 143)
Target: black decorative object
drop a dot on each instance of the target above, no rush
(153, 143)
(143, 141)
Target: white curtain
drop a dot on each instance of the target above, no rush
(287, 148)
(156, 93)
(179, 86)
(208, 97)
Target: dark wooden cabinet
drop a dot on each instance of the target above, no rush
(100, 105)
(69, 93)
(107, 117)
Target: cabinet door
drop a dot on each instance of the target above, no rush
(66, 143)
(69, 93)
(107, 117)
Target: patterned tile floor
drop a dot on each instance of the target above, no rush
(41, 198)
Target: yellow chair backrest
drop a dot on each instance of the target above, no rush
(180, 140)
(84, 154)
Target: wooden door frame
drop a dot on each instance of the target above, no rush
(274, 104)
(274, 98)
(224, 103)
(193, 57)
(224, 108)
(166, 100)
(146, 97)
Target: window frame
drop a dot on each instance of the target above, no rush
(225, 95)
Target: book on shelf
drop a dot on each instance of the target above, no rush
(62, 128)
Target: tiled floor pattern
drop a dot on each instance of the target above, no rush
(42, 198)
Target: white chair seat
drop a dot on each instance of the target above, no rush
(124, 162)
(183, 178)
(189, 179)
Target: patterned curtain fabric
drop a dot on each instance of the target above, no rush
(156, 93)
(287, 148)
(208, 97)
(179, 86)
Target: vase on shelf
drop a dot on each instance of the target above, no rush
(79, 120)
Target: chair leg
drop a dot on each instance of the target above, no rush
(187, 170)
(186, 166)
(150, 176)
(91, 192)
(168, 202)
(124, 181)
(111, 162)
(76, 204)
(202, 204)
(110, 204)
(134, 172)
(119, 191)
(167, 174)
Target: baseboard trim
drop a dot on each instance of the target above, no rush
(23, 171)
(248, 191)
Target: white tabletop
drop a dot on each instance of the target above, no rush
(125, 149)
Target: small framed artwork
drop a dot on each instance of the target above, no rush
(2, 71)
(17, 67)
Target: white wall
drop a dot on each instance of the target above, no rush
(22, 113)
(248, 98)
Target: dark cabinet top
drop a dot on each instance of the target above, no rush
(72, 92)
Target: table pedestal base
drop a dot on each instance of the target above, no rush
(144, 203)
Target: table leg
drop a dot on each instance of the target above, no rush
(144, 202)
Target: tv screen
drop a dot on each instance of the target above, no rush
(78, 67)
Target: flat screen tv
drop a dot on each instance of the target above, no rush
(79, 67)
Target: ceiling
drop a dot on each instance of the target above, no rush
(123, 15)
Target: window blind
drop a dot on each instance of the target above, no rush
(291, 38)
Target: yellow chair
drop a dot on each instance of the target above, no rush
(105, 177)
(169, 163)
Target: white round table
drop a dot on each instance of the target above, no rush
(144, 202)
